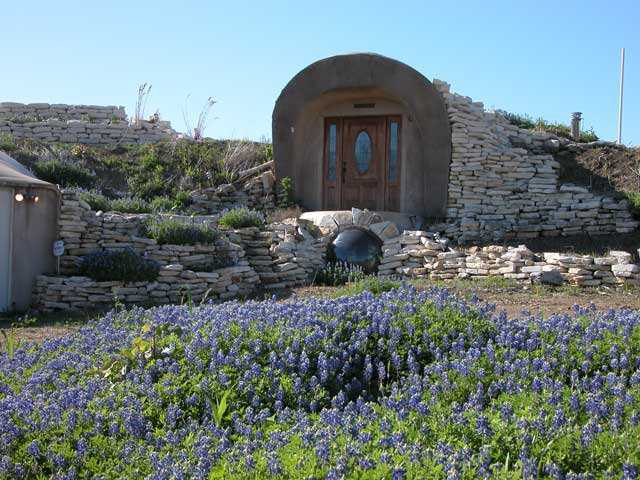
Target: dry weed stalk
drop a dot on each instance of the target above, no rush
(239, 156)
(197, 132)
(144, 90)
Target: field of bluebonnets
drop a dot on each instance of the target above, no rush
(405, 384)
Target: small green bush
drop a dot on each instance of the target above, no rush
(7, 143)
(521, 121)
(241, 218)
(335, 274)
(175, 232)
(286, 193)
(542, 125)
(96, 200)
(130, 205)
(176, 203)
(634, 203)
(124, 265)
(64, 174)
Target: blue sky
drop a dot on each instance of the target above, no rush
(543, 58)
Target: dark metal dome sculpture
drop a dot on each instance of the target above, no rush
(356, 246)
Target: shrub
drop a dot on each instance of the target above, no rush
(175, 232)
(130, 205)
(338, 273)
(176, 203)
(521, 121)
(589, 136)
(80, 151)
(634, 203)
(64, 174)
(96, 200)
(124, 265)
(369, 283)
(7, 143)
(285, 199)
(542, 125)
(241, 218)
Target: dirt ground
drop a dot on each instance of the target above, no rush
(512, 297)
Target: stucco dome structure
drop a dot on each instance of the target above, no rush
(318, 141)
(28, 227)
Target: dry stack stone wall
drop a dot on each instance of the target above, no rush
(416, 254)
(175, 284)
(85, 231)
(256, 193)
(282, 256)
(503, 182)
(87, 124)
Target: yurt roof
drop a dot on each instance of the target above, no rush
(14, 174)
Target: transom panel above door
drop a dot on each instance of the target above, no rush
(362, 163)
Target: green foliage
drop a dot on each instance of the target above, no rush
(130, 205)
(542, 125)
(80, 151)
(64, 174)
(338, 273)
(96, 200)
(7, 143)
(286, 199)
(165, 204)
(11, 343)
(634, 203)
(124, 265)
(521, 121)
(241, 218)
(369, 283)
(268, 152)
(175, 232)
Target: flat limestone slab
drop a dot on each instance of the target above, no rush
(325, 218)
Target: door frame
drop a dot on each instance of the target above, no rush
(9, 248)
(336, 185)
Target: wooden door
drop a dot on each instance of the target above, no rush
(363, 151)
(362, 163)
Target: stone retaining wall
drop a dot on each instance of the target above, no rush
(87, 124)
(85, 231)
(175, 284)
(416, 254)
(279, 256)
(257, 193)
(282, 257)
(503, 182)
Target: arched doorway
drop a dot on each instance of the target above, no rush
(363, 131)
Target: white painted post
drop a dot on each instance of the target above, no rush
(621, 96)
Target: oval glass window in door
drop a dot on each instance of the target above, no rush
(363, 152)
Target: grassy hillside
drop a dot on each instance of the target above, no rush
(139, 173)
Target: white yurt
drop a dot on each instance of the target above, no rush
(28, 226)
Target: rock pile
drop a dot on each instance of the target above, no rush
(417, 254)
